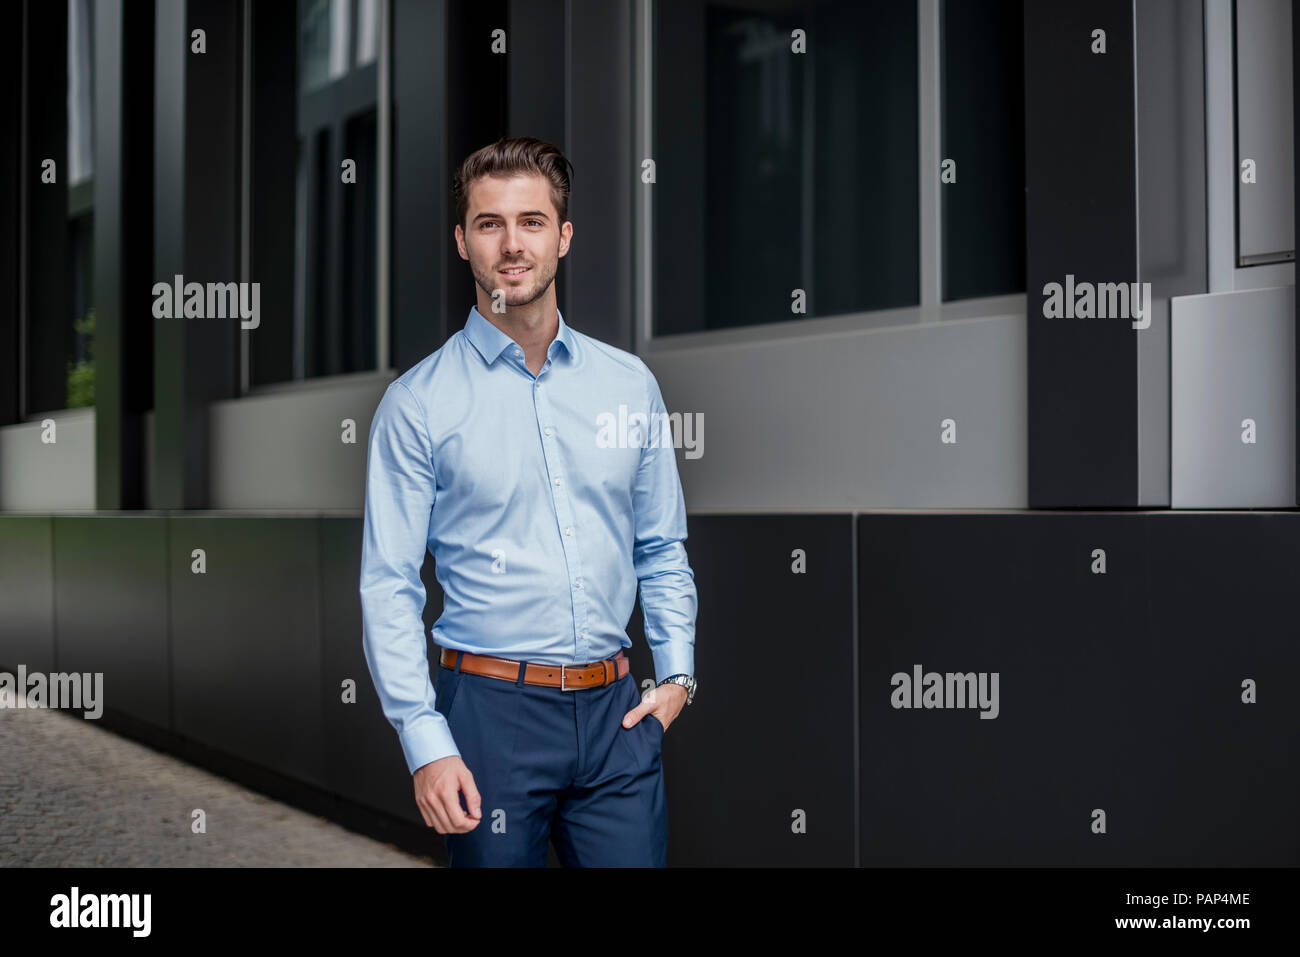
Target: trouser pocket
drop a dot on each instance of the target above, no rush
(446, 689)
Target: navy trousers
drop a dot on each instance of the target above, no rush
(558, 765)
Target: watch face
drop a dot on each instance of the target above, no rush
(686, 681)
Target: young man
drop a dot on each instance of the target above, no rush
(496, 453)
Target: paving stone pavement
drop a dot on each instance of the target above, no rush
(75, 795)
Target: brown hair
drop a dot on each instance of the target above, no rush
(512, 157)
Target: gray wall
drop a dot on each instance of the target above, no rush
(852, 420)
(1233, 358)
(36, 476)
(285, 449)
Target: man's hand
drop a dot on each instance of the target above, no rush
(438, 785)
(665, 703)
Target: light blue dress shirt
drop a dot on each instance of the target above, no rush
(544, 500)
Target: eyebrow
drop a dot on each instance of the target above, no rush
(532, 213)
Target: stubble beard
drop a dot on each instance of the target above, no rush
(491, 281)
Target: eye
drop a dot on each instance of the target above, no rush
(537, 221)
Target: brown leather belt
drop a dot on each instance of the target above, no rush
(564, 677)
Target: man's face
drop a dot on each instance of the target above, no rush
(513, 226)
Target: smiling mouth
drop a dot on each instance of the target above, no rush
(515, 270)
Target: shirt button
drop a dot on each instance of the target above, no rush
(547, 431)
(518, 352)
(568, 531)
(584, 633)
(557, 481)
(578, 582)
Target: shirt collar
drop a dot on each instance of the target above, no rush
(491, 341)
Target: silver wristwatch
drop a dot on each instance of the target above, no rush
(686, 681)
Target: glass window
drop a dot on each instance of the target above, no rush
(367, 31)
(316, 27)
(779, 171)
(80, 167)
(315, 189)
(81, 85)
(1263, 95)
(983, 135)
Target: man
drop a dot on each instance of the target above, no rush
(496, 453)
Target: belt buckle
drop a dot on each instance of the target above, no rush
(563, 686)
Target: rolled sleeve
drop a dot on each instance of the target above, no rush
(400, 492)
(667, 582)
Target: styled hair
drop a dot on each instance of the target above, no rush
(512, 157)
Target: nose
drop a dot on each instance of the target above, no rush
(511, 244)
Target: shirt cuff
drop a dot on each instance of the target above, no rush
(674, 658)
(427, 740)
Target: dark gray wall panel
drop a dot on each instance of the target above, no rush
(943, 787)
(1080, 220)
(538, 29)
(363, 756)
(246, 647)
(1225, 774)
(1118, 691)
(596, 280)
(1012, 594)
(110, 593)
(26, 593)
(1087, 682)
(771, 728)
(421, 198)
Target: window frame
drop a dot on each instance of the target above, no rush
(932, 307)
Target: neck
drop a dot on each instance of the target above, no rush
(533, 326)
